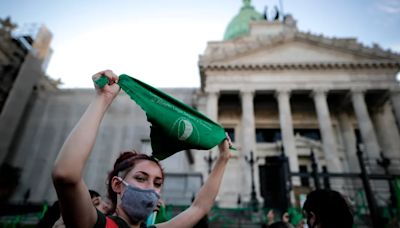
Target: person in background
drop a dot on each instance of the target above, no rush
(52, 216)
(102, 204)
(287, 219)
(97, 202)
(270, 218)
(327, 209)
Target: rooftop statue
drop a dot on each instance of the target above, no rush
(6, 25)
(276, 13)
(265, 15)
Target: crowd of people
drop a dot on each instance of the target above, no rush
(134, 185)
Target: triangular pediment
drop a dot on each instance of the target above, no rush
(295, 52)
(296, 48)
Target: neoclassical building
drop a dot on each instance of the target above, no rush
(275, 90)
(272, 85)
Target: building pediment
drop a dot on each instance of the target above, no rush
(292, 48)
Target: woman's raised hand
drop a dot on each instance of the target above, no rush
(224, 151)
(111, 89)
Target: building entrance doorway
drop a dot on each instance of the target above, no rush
(274, 183)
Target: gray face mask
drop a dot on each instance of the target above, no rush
(138, 203)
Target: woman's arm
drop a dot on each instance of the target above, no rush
(75, 202)
(206, 196)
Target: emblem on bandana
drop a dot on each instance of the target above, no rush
(183, 128)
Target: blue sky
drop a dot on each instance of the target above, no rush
(159, 41)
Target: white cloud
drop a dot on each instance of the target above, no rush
(389, 6)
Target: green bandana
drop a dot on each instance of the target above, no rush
(174, 125)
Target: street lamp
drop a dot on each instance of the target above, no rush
(384, 162)
(314, 169)
(373, 209)
(253, 195)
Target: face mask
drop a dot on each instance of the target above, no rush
(138, 203)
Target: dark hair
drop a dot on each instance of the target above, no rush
(93, 193)
(125, 163)
(330, 209)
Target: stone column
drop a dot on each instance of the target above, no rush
(349, 140)
(387, 131)
(395, 100)
(212, 113)
(364, 124)
(248, 127)
(329, 142)
(248, 136)
(212, 105)
(285, 119)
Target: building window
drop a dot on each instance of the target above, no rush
(268, 135)
(309, 133)
(231, 133)
(305, 181)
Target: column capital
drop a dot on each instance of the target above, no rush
(358, 90)
(319, 92)
(247, 91)
(282, 91)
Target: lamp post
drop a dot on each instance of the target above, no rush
(239, 206)
(327, 184)
(373, 209)
(314, 169)
(384, 162)
(286, 177)
(253, 195)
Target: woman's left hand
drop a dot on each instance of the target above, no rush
(224, 151)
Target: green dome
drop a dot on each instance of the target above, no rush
(239, 25)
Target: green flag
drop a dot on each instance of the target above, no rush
(174, 125)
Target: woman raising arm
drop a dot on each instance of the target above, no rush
(134, 176)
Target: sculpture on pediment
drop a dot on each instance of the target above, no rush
(7, 26)
(277, 13)
(265, 15)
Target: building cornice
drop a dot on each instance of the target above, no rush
(327, 66)
(306, 66)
